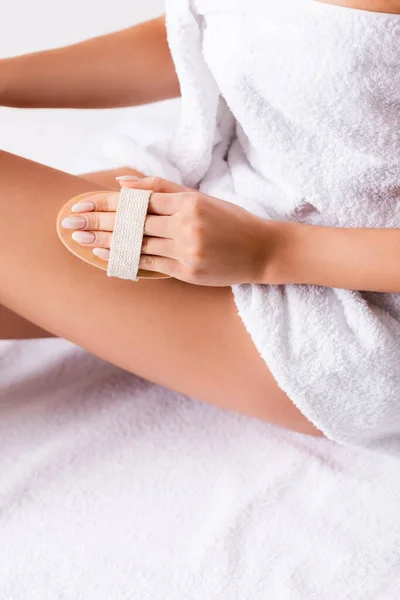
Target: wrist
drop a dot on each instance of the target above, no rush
(3, 76)
(286, 245)
(4, 80)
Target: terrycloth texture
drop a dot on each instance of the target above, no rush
(113, 488)
(291, 108)
(128, 233)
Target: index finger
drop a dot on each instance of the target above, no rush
(159, 203)
(164, 204)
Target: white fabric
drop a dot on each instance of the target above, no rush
(291, 108)
(128, 233)
(115, 488)
(112, 487)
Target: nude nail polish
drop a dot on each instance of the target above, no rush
(85, 206)
(127, 178)
(103, 253)
(74, 223)
(83, 237)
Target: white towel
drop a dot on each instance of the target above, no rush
(113, 488)
(291, 108)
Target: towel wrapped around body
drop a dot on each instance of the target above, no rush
(291, 109)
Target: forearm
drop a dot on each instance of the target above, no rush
(349, 258)
(126, 68)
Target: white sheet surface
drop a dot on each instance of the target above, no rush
(114, 488)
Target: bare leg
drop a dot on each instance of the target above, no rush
(13, 326)
(201, 350)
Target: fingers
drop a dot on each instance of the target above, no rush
(93, 239)
(157, 184)
(102, 202)
(160, 264)
(159, 203)
(158, 247)
(101, 239)
(155, 225)
(159, 226)
(167, 195)
(156, 255)
(164, 204)
(95, 221)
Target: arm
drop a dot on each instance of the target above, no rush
(211, 241)
(336, 257)
(126, 68)
(385, 6)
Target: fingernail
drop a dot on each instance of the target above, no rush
(74, 222)
(86, 206)
(102, 253)
(128, 178)
(83, 237)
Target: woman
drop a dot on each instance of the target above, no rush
(184, 333)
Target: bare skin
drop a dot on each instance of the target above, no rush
(133, 325)
(13, 326)
(385, 6)
(203, 349)
(136, 326)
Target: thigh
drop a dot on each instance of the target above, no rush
(13, 326)
(185, 337)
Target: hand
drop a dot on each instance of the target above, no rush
(201, 239)
(189, 235)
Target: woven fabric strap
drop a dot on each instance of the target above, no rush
(128, 233)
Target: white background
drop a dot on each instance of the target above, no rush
(55, 137)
